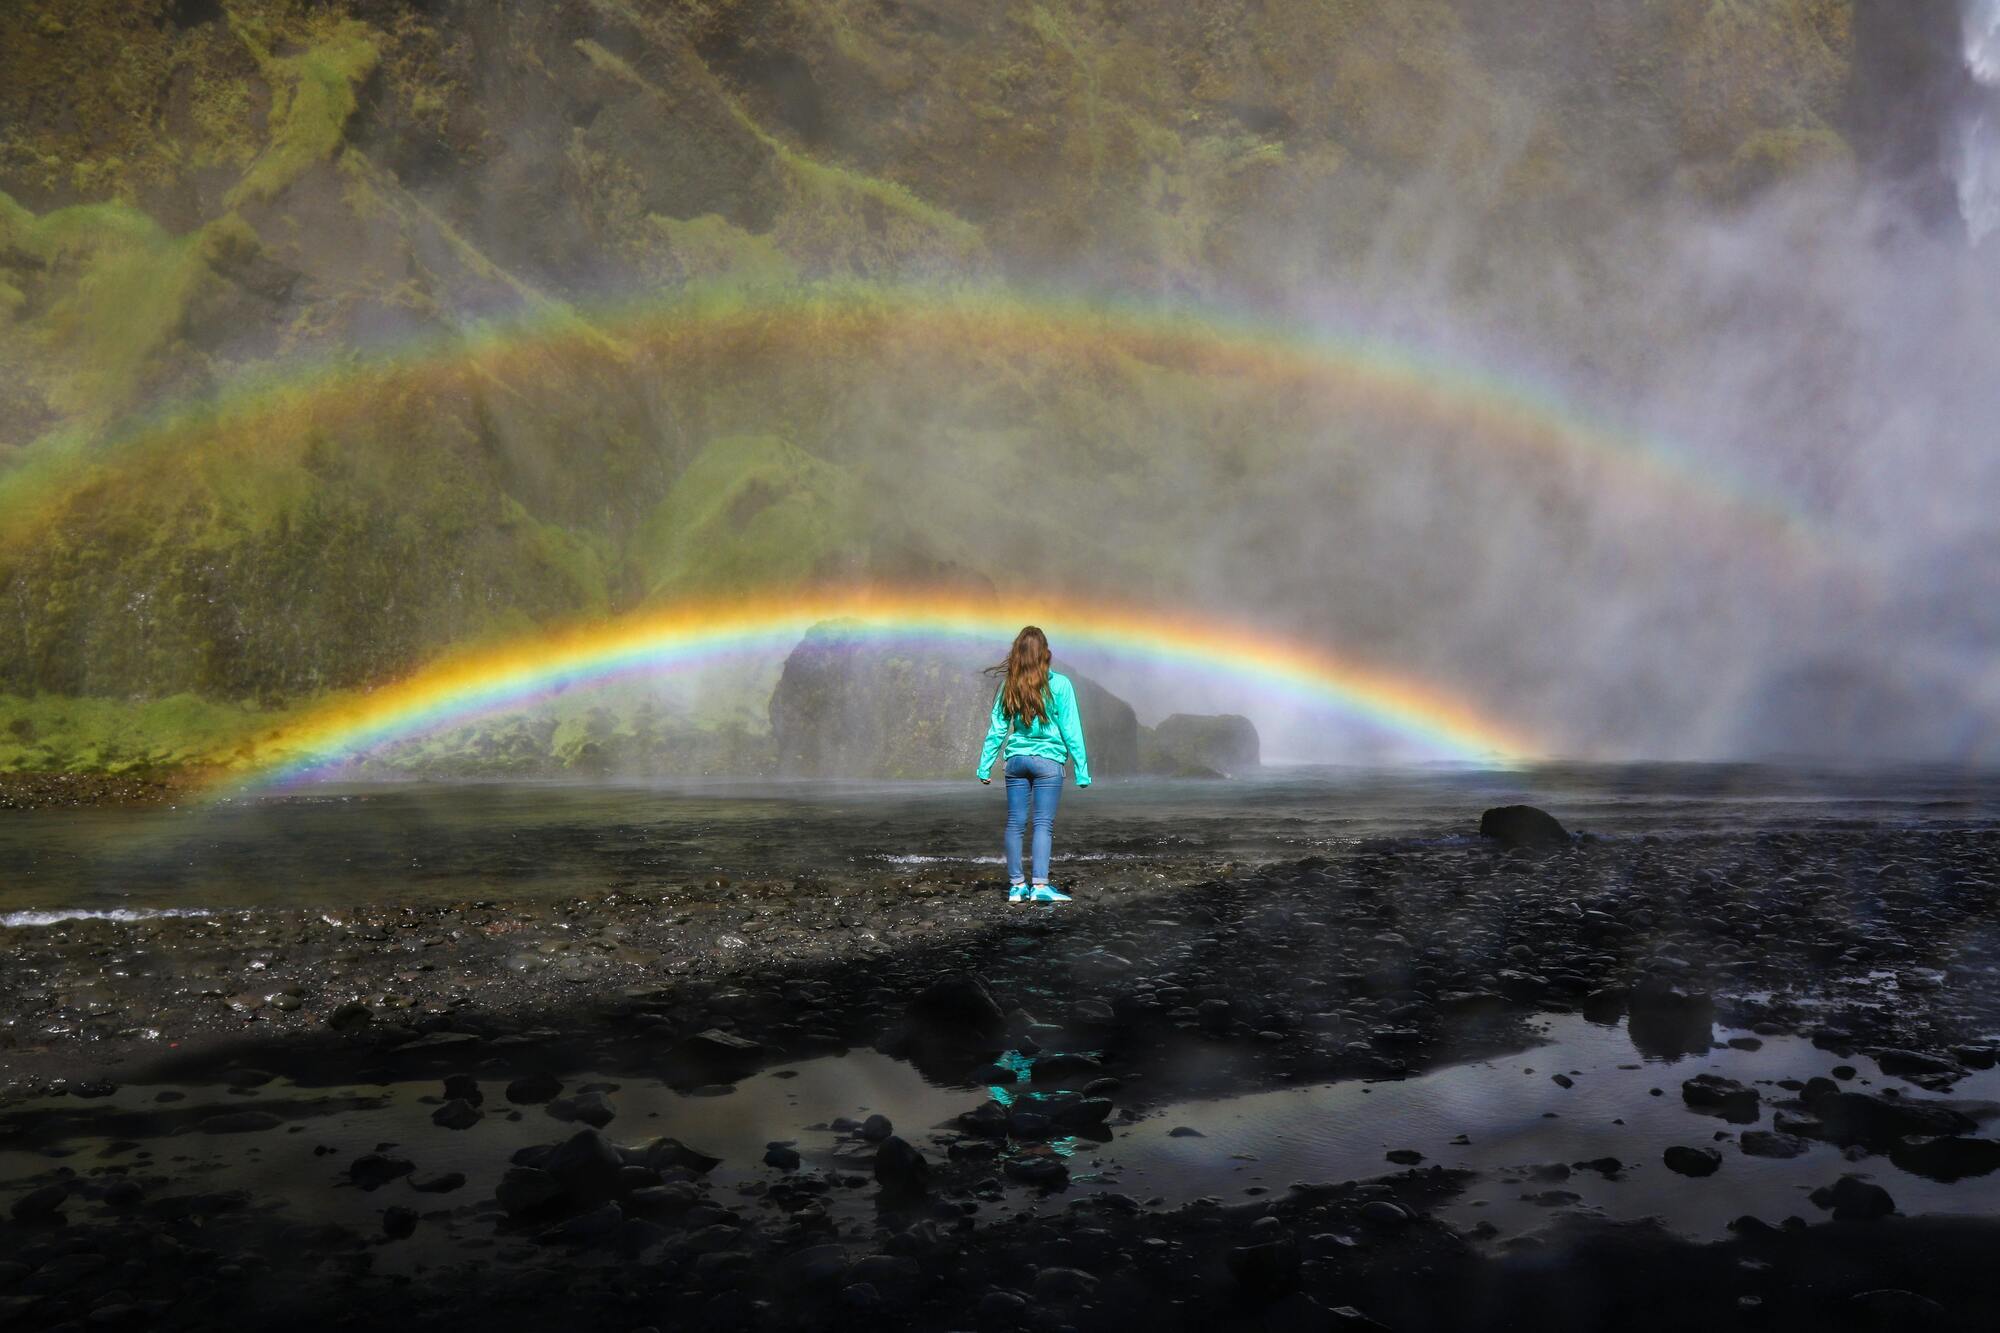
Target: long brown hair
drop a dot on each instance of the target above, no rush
(1024, 691)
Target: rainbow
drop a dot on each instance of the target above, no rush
(691, 634)
(1468, 405)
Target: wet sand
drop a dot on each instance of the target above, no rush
(563, 1046)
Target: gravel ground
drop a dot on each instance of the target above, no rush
(1377, 963)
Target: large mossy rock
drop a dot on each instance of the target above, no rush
(1192, 745)
(849, 707)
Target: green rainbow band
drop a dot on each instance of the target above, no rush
(522, 671)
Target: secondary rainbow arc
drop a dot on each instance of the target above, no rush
(1498, 411)
(689, 634)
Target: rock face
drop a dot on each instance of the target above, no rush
(1191, 745)
(849, 707)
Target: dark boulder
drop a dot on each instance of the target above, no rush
(457, 1114)
(526, 1189)
(1947, 1157)
(39, 1205)
(1188, 744)
(849, 705)
(1664, 1020)
(958, 1008)
(666, 1154)
(1763, 1143)
(585, 1166)
(900, 1169)
(1715, 1095)
(1692, 1161)
(532, 1088)
(1850, 1118)
(373, 1170)
(715, 1056)
(1853, 1199)
(591, 1108)
(1523, 826)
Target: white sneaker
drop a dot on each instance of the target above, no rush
(1048, 893)
(1018, 894)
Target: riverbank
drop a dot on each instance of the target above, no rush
(135, 1046)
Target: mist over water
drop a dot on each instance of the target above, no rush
(1979, 163)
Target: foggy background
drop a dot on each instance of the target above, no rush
(1751, 513)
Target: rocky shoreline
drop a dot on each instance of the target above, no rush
(1384, 961)
(68, 791)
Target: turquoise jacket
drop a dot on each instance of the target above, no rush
(1057, 734)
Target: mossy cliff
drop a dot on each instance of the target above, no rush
(202, 195)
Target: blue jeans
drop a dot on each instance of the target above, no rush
(1037, 782)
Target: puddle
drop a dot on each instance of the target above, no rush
(1506, 1119)
(1517, 1118)
(133, 1133)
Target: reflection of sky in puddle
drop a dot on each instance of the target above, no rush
(1503, 1118)
(1514, 1118)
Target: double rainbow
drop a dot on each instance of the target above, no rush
(693, 634)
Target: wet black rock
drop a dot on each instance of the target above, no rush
(1721, 1096)
(876, 1128)
(1404, 1156)
(900, 1169)
(1523, 826)
(1926, 1071)
(957, 1008)
(526, 1189)
(464, 1088)
(399, 1222)
(1384, 1213)
(1692, 1161)
(586, 1166)
(39, 1205)
(1042, 1172)
(439, 1184)
(664, 1154)
(374, 1170)
(457, 1114)
(1185, 1132)
(589, 1227)
(781, 1156)
(591, 1108)
(1264, 1271)
(1947, 1157)
(530, 1089)
(1064, 1284)
(1871, 1121)
(1763, 1143)
(1853, 1199)
(1667, 1020)
(716, 1056)
(350, 1017)
(240, 1122)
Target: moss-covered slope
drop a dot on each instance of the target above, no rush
(340, 201)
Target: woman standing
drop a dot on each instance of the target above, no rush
(1034, 714)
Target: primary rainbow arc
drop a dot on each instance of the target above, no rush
(692, 633)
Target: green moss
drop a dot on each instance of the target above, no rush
(312, 96)
(748, 510)
(710, 249)
(51, 733)
(129, 298)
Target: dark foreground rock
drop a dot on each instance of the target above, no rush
(1523, 826)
